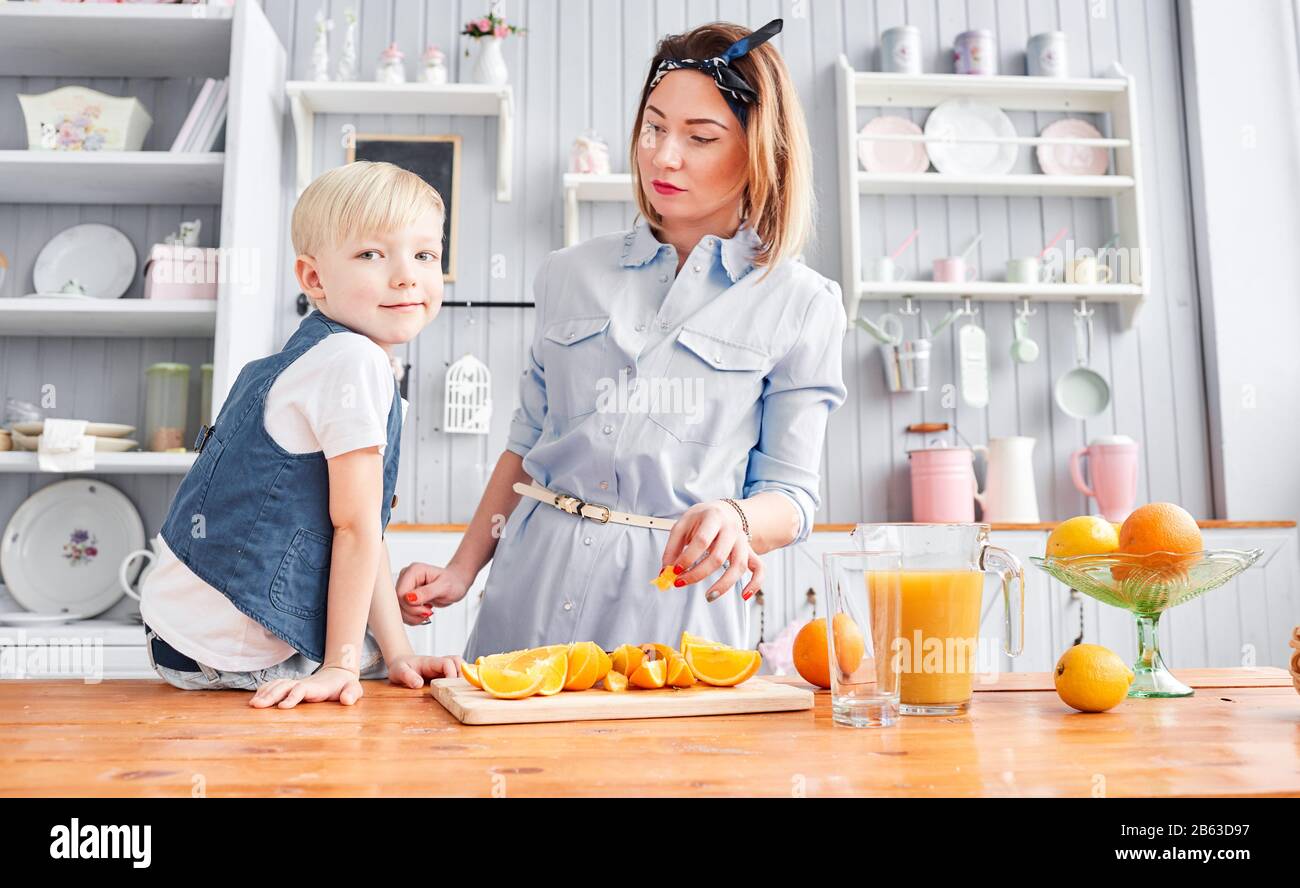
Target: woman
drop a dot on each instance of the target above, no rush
(684, 369)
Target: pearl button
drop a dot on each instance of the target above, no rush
(697, 269)
(568, 605)
(640, 328)
(717, 359)
(568, 335)
(663, 278)
(628, 368)
(586, 541)
(608, 430)
(604, 485)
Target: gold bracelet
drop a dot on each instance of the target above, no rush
(744, 522)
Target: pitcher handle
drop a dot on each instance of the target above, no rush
(1076, 473)
(1010, 569)
(126, 562)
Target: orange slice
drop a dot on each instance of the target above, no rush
(650, 674)
(554, 669)
(688, 639)
(584, 665)
(470, 673)
(626, 658)
(508, 684)
(606, 664)
(723, 667)
(526, 659)
(665, 579)
(615, 681)
(658, 651)
(679, 672)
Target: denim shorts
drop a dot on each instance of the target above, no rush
(206, 678)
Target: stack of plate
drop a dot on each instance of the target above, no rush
(110, 437)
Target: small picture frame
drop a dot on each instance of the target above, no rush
(436, 160)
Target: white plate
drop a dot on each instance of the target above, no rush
(50, 565)
(965, 118)
(889, 156)
(98, 429)
(102, 445)
(99, 256)
(1072, 160)
(26, 618)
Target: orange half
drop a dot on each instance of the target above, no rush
(584, 666)
(626, 658)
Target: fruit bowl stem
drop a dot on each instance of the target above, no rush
(1151, 677)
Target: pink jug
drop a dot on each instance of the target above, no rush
(943, 484)
(1113, 465)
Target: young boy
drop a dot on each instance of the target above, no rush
(271, 561)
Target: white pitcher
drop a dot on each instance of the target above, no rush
(1008, 495)
(151, 560)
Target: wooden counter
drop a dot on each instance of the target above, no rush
(1239, 735)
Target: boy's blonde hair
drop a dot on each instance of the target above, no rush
(357, 199)
(778, 202)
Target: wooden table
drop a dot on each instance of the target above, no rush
(1239, 735)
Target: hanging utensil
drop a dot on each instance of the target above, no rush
(1082, 392)
(889, 329)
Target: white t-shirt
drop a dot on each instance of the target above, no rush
(334, 399)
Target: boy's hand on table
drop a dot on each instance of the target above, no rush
(422, 587)
(326, 683)
(411, 670)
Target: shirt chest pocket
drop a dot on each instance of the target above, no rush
(712, 390)
(576, 357)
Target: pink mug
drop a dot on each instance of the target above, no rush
(943, 485)
(1113, 465)
(953, 270)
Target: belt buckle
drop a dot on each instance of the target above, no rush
(604, 520)
(568, 503)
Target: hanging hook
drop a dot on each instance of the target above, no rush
(1082, 310)
(968, 309)
(908, 308)
(1025, 310)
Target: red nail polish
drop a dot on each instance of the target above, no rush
(677, 568)
(747, 596)
(412, 597)
(679, 582)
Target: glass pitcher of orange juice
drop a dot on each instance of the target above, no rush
(941, 585)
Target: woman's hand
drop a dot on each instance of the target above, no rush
(411, 670)
(326, 683)
(422, 587)
(711, 534)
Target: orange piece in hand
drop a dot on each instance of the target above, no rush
(665, 579)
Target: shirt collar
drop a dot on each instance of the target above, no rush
(640, 246)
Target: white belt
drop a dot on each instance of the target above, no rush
(591, 511)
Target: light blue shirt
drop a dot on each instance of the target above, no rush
(650, 390)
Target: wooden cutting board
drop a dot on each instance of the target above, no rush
(474, 707)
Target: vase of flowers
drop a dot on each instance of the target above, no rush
(489, 31)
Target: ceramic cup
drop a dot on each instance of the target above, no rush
(884, 270)
(953, 270)
(1088, 271)
(151, 559)
(1028, 270)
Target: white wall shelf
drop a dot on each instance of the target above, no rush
(118, 40)
(111, 177)
(117, 318)
(170, 41)
(1000, 291)
(603, 188)
(308, 98)
(108, 463)
(1012, 185)
(1114, 96)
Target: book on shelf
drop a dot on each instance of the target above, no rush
(199, 131)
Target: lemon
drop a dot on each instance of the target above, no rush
(1092, 678)
(1083, 535)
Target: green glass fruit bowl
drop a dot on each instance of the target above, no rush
(1147, 586)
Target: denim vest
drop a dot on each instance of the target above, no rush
(252, 520)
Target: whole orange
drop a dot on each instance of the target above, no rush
(812, 656)
(1160, 527)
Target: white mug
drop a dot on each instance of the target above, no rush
(884, 270)
(1028, 270)
(122, 580)
(1087, 271)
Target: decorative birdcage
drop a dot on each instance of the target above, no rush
(467, 405)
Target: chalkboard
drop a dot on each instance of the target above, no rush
(436, 160)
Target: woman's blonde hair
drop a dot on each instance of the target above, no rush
(357, 199)
(778, 200)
